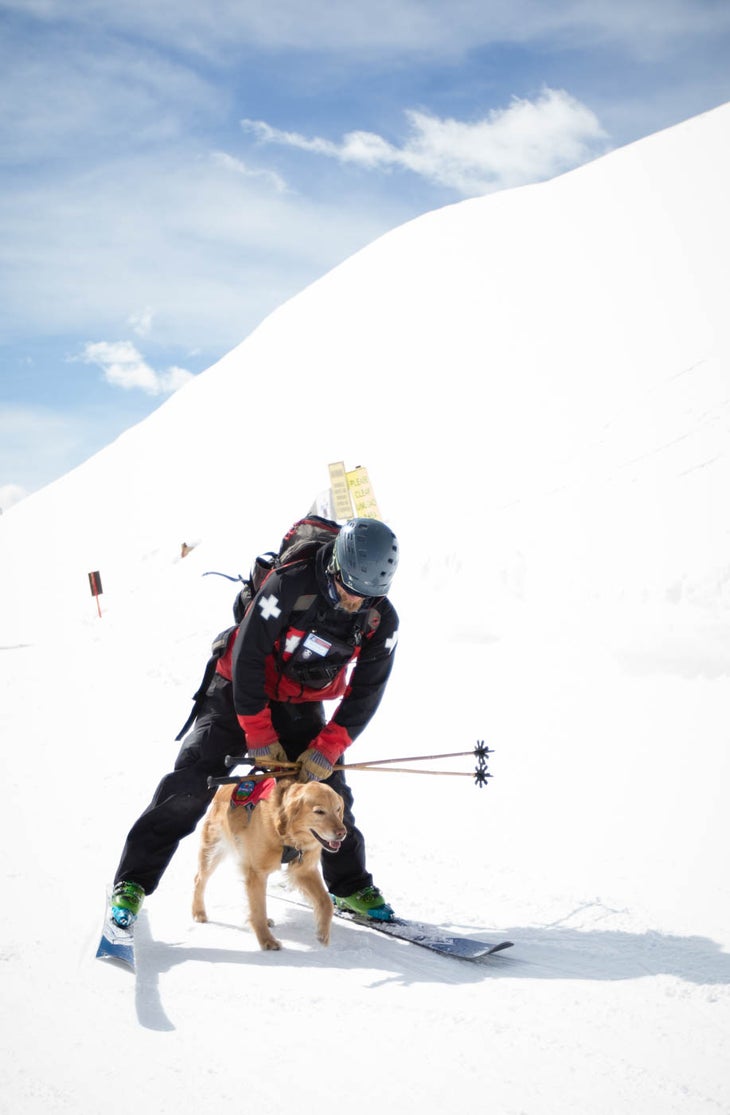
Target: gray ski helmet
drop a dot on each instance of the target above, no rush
(366, 556)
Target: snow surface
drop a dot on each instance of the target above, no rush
(538, 383)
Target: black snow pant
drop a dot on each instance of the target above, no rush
(182, 797)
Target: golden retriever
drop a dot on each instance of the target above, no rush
(305, 817)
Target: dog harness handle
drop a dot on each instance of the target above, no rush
(248, 792)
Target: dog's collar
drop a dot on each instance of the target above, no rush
(289, 854)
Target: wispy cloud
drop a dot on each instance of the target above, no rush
(141, 323)
(124, 366)
(384, 27)
(209, 250)
(237, 166)
(526, 142)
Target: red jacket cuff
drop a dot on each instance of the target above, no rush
(331, 742)
(259, 729)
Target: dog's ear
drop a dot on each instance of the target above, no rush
(283, 791)
(336, 801)
(290, 808)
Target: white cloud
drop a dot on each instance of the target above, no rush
(124, 366)
(526, 142)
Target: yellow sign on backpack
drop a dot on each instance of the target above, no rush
(341, 502)
(362, 494)
(351, 493)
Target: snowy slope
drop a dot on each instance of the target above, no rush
(539, 384)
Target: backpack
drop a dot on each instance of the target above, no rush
(301, 543)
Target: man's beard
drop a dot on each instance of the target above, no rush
(350, 606)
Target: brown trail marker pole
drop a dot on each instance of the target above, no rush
(96, 589)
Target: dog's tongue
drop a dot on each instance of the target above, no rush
(330, 845)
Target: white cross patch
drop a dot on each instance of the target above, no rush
(391, 643)
(292, 643)
(269, 607)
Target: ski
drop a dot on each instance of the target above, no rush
(421, 933)
(116, 943)
(427, 936)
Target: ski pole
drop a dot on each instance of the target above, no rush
(233, 780)
(417, 758)
(382, 766)
(401, 770)
(480, 751)
(234, 760)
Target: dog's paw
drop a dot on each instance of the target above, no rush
(200, 915)
(270, 944)
(324, 938)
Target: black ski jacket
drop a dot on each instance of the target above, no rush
(293, 644)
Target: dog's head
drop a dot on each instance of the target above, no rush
(310, 809)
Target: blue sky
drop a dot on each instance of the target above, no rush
(171, 172)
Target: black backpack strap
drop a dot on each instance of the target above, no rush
(198, 698)
(219, 647)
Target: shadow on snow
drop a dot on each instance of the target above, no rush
(539, 953)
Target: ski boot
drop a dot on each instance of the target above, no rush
(126, 902)
(368, 903)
